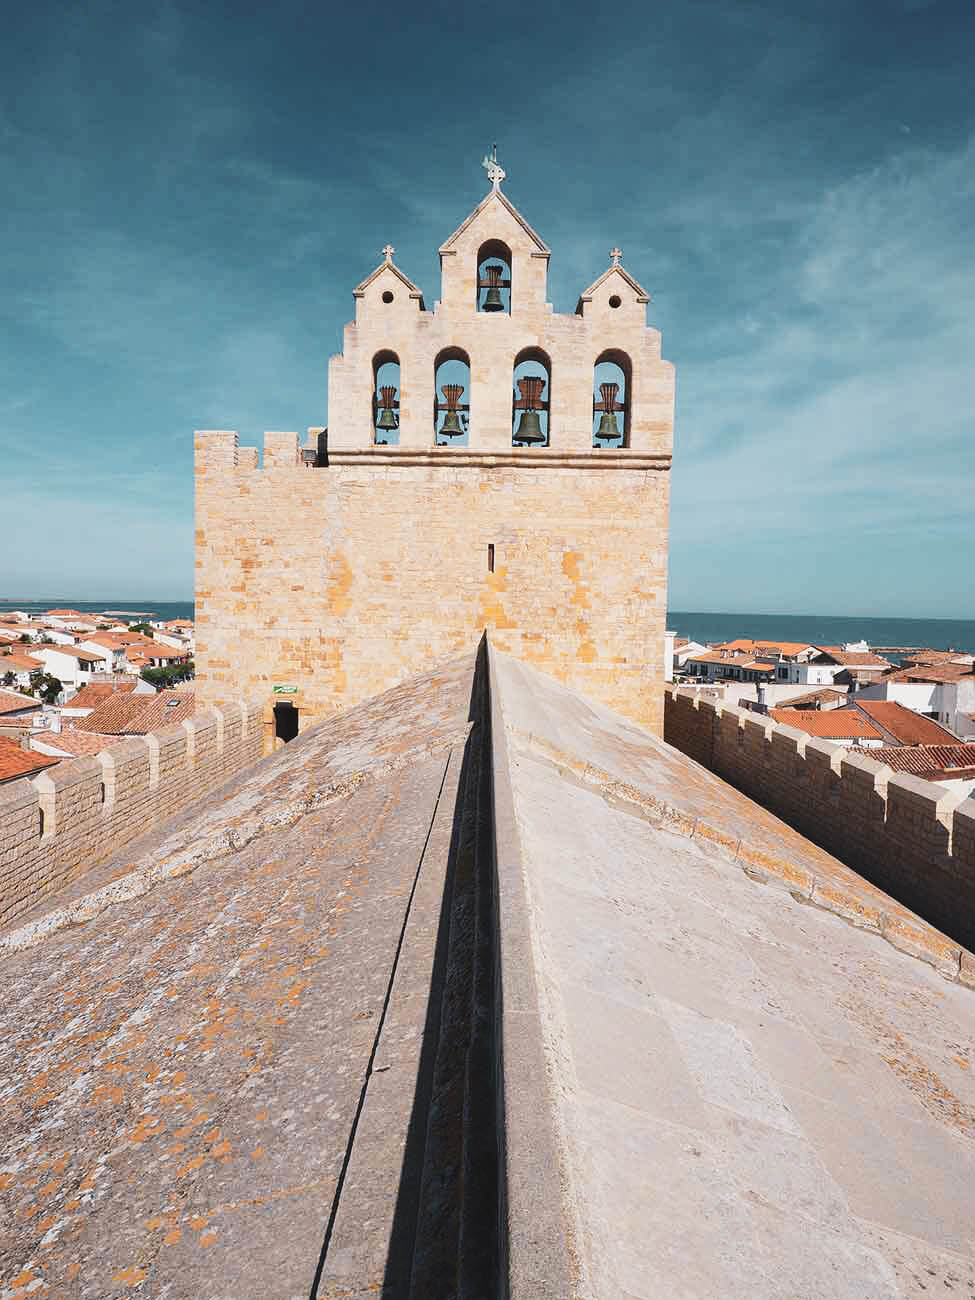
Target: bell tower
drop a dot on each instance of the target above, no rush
(489, 464)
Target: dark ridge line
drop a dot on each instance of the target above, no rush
(337, 1195)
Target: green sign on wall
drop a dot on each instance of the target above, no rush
(284, 690)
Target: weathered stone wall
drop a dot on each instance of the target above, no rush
(912, 838)
(346, 579)
(57, 825)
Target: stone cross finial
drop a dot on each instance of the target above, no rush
(616, 254)
(388, 252)
(495, 171)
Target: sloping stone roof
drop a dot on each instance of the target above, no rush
(260, 1052)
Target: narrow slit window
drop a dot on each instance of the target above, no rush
(490, 557)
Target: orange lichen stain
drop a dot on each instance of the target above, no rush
(176, 1149)
(43, 1225)
(960, 1061)
(199, 1222)
(7, 1179)
(155, 1222)
(190, 1166)
(258, 1153)
(148, 1126)
(586, 652)
(220, 1150)
(73, 1270)
(23, 1279)
(61, 1163)
(212, 1136)
(107, 1092)
(131, 1276)
(262, 1116)
(173, 1236)
(208, 1239)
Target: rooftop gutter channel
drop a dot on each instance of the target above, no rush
(536, 1230)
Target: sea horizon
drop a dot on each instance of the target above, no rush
(706, 626)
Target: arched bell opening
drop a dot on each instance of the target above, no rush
(385, 399)
(532, 399)
(451, 398)
(612, 381)
(494, 277)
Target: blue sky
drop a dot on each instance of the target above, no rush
(192, 191)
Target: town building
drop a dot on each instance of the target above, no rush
(17, 762)
(488, 463)
(841, 726)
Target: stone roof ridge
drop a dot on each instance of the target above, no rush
(496, 194)
(389, 265)
(615, 269)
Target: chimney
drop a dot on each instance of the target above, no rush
(762, 706)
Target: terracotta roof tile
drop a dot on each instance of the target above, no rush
(854, 658)
(11, 702)
(15, 761)
(128, 714)
(95, 693)
(930, 673)
(924, 760)
(163, 710)
(831, 724)
(748, 646)
(77, 744)
(903, 724)
(18, 661)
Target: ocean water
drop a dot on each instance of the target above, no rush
(151, 609)
(816, 629)
(824, 629)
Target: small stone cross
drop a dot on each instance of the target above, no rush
(388, 252)
(495, 171)
(616, 254)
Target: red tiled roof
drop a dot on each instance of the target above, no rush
(72, 651)
(746, 645)
(65, 613)
(923, 760)
(10, 702)
(134, 715)
(77, 744)
(822, 693)
(15, 761)
(930, 673)
(162, 710)
(95, 693)
(854, 658)
(738, 660)
(906, 726)
(831, 724)
(19, 661)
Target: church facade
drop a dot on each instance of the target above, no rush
(488, 464)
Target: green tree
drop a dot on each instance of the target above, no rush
(46, 686)
(144, 628)
(161, 678)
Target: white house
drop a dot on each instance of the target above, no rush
(71, 665)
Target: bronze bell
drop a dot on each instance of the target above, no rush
(492, 299)
(387, 415)
(607, 427)
(529, 428)
(530, 402)
(452, 426)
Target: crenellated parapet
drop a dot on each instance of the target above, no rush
(912, 838)
(57, 825)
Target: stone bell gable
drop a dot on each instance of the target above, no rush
(488, 464)
(608, 327)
